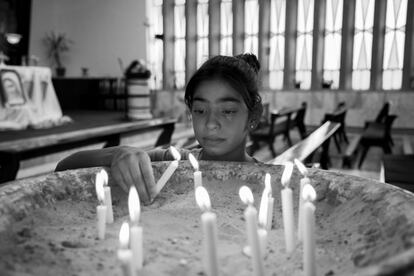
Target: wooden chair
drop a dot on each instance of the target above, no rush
(377, 134)
(267, 130)
(299, 121)
(338, 116)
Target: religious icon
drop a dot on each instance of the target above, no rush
(11, 88)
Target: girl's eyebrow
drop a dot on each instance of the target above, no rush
(223, 99)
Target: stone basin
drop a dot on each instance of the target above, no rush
(48, 224)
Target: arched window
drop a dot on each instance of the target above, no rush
(226, 27)
(333, 38)
(202, 31)
(251, 26)
(179, 43)
(394, 43)
(364, 23)
(277, 43)
(304, 44)
(155, 51)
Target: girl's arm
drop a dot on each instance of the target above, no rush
(129, 166)
(103, 157)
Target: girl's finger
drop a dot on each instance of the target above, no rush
(147, 174)
(138, 181)
(117, 175)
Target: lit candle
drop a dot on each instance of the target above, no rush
(125, 254)
(266, 204)
(287, 208)
(101, 208)
(136, 231)
(303, 181)
(263, 217)
(309, 262)
(208, 220)
(197, 174)
(108, 198)
(169, 171)
(250, 216)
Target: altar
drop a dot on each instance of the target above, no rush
(28, 98)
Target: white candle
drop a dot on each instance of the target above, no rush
(271, 203)
(124, 254)
(169, 171)
(287, 208)
(266, 205)
(136, 231)
(303, 181)
(262, 234)
(250, 216)
(208, 221)
(197, 174)
(101, 209)
(108, 198)
(309, 247)
(263, 218)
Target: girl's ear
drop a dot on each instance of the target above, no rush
(255, 116)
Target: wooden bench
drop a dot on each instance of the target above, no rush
(88, 128)
(305, 149)
(339, 117)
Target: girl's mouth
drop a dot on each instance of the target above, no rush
(212, 140)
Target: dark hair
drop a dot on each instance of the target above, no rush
(241, 72)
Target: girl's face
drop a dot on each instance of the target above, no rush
(220, 119)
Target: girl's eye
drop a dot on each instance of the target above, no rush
(229, 111)
(199, 111)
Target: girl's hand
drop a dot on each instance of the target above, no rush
(131, 166)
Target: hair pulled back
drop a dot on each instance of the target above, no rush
(240, 72)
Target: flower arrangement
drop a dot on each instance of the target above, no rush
(57, 44)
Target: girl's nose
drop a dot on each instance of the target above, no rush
(212, 121)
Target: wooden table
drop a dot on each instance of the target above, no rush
(89, 127)
(398, 170)
(305, 148)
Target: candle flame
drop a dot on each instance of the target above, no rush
(175, 153)
(303, 170)
(268, 184)
(202, 198)
(100, 193)
(308, 193)
(134, 206)
(104, 177)
(124, 235)
(246, 195)
(193, 161)
(287, 174)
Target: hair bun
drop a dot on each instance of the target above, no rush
(252, 60)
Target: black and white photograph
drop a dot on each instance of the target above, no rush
(207, 137)
(11, 88)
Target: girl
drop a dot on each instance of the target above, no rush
(223, 100)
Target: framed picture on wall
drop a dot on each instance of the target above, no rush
(11, 88)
